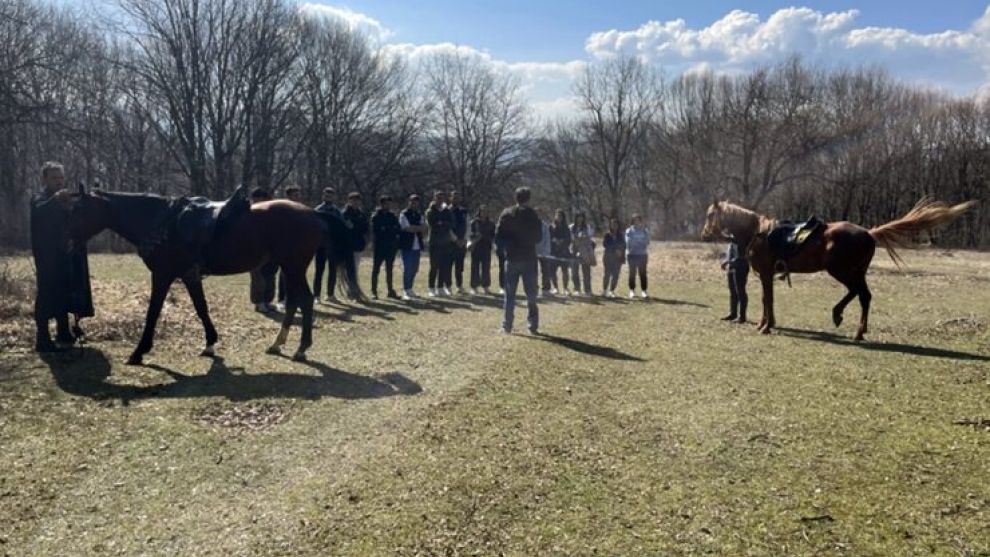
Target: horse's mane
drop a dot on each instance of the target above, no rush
(749, 223)
(135, 214)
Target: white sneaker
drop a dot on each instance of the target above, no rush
(432, 293)
(644, 295)
(473, 292)
(406, 297)
(554, 290)
(632, 294)
(501, 292)
(447, 292)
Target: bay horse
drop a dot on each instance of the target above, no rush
(844, 251)
(282, 232)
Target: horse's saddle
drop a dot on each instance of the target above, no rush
(200, 220)
(787, 239)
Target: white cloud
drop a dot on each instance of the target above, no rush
(954, 59)
(355, 20)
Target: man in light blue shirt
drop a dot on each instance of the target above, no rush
(637, 255)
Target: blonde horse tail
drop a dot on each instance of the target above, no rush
(927, 214)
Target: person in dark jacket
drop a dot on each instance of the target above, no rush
(459, 213)
(736, 268)
(441, 224)
(481, 239)
(325, 263)
(520, 229)
(613, 256)
(61, 269)
(560, 250)
(411, 242)
(357, 224)
(385, 229)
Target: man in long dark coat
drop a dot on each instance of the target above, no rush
(62, 270)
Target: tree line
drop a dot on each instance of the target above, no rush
(193, 97)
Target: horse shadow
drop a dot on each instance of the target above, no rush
(672, 302)
(85, 372)
(586, 348)
(900, 348)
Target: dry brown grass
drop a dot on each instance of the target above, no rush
(634, 428)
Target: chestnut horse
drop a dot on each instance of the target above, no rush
(281, 232)
(845, 250)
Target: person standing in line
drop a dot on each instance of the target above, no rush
(544, 254)
(613, 256)
(263, 278)
(637, 254)
(323, 260)
(411, 244)
(736, 268)
(560, 250)
(385, 229)
(441, 242)
(357, 225)
(520, 228)
(482, 237)
(61, 269)
(583, 248)
(459, 213)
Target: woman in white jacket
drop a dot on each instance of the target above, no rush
(637, 254)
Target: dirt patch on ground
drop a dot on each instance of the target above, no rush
(253, 416)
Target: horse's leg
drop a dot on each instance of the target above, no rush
(194, 285)
(290, 313)
(159, 289)
(305, 299)
(865, 296)
(841, 307)
(768, 322)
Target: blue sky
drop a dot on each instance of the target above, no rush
(941, 45)
(555, 30)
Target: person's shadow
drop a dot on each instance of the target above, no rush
(85, 372)
(585, 348)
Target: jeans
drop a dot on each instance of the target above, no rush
(564, 269)
(525, 270)
(738, 299)
(440, 267)
(481, 266)
(457, 255)
(612, 269)
(410, 266)
(637, 264)
(585, 271)
(388, 258)
(323, 262)
(263, 284)
(500, 255)
(547, 275)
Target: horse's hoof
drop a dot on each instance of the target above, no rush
(208, 352)
(299, 357)
(135, 361)
(273, 350)
(765, 331)
(858, 338)
(837, 319)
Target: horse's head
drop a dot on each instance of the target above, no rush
(713, 222)
(89, 215)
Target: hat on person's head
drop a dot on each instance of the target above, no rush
(354, 195)
(384, 199)
(414, 197)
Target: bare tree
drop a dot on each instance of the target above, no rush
(477, 124)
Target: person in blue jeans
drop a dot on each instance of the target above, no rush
(411, 243)
(519, 229)
(637, 254)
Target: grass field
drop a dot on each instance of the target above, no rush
(631, 428)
